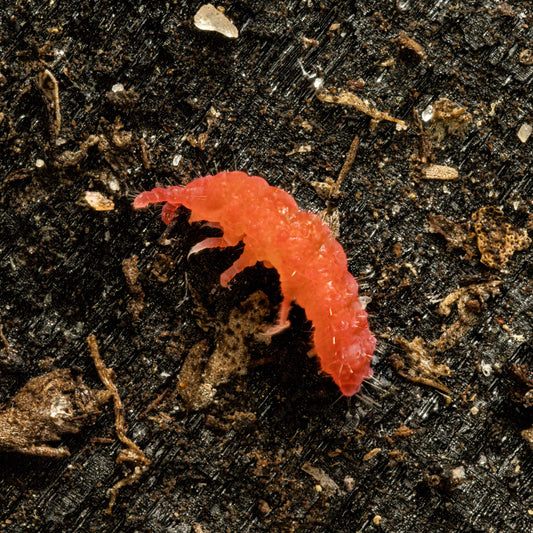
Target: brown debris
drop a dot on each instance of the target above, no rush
(197, 380)
(526, 57)
(371, 454)
(527, 435)
(464, 297)
(321, 477)
(458, 235)
(70, 159)
(448, 119)
(161, 266)
(355, 85)
(46, 408)
(145, 154)
(524, 395)
(423, 160)
(123, 99)
(497, 240)
(524, 376)
(409, 50)
(418, 366)
(199, 142)
(114, 143)
(309, 43)
(346, 167)
(469, 301)
(350, 99)
(131, 273)
(425, 148)
(132, 453)
(19, 174)
(402, 432)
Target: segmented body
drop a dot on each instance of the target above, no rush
(312, 265)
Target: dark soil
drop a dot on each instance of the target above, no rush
(277, 450)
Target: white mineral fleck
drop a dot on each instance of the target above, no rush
(113, 185)
(349, 483)
(427, 114)
(118, 88)
(209, 18)
(486, 368)
(458, 475)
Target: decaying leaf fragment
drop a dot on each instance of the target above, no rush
(469, 301)
(418, 365)
(497, 240)
(198, 379)
(46, 408)
(458, 235)
(348, 98)
(409, 50)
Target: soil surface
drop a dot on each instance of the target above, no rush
(243, 434)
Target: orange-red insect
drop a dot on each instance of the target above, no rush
(312, 265)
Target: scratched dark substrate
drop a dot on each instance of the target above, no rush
(246, 462)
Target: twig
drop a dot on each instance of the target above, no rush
(348, 162)
(132, 453)
(348, 98)
(50, 88)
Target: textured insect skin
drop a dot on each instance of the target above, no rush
(312, 265)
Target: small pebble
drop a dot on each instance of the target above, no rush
(263, 507)
(98, 201)
(524, 132)
(209, 18)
